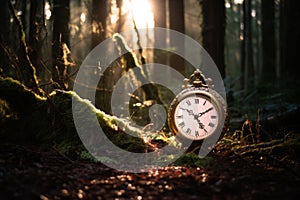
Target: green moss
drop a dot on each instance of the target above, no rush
(191, 159)
(6, 115)
(17, 94)
(50, 121)
(87, 156)
(28, 108)
(5, 111)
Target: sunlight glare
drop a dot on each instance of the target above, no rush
(47, 10)
(114, 10)
(227, 5)
(82, 17)
(238, 1)
(253, 13)
(141, 11)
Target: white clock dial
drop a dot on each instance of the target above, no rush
(196, 117)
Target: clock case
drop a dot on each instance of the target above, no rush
(199, 85)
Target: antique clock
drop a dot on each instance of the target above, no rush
(198, 111)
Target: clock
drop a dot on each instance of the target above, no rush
(198, 111)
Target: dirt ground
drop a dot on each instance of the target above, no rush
(31, 173)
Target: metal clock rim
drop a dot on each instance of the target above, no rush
(205, 92)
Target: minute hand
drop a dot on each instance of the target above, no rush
(190, 112)
(202, 113)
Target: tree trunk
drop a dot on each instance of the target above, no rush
(268, 42)
(249, 69)
(159, 9)
(122, 19)
(22, 6)
(22, 63)
(176, 12)
(5, 68)
(289, 41)
(61, 34)
(35, 41)
(258, 46)
(213, 33)
(99, 14)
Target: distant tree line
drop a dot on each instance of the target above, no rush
(256, 41)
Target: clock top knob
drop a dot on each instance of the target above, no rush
(197, 79)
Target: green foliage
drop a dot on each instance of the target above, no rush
(286, 144)
(87, 156)
(271, 101)
(191, 159)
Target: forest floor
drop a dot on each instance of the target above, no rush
(28, 172)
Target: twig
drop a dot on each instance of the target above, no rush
(63, 155)
(259, 146)
(33, 81)
(260, 153)
(284, 166)
(143, 60)
(257, 126)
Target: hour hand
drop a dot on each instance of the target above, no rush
(202, 113)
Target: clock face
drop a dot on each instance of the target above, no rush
(196, 117)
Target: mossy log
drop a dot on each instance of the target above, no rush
(50, 118)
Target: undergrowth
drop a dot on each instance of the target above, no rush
(49, 121)
(28, 118)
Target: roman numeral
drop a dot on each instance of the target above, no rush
(181, 124)
(196, 133)
(188, 102)
(213, 117)
(196, 101)
(204, 103)
(211, 124)
(188, 131)
(179, 116)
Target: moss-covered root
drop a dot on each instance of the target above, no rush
(51, 119)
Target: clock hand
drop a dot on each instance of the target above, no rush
(196, 117)
(190, 112)
(202, 113)
(201, 125)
